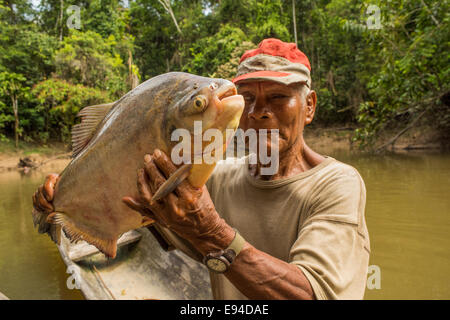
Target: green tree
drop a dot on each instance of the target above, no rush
(211, 52)
(408, 88)
(229, 68)
(60, 101)
(392, 78)
(12, 86)
(16, 12)
(160, 47)
(24, 49)
(106, 17)
(87, 58)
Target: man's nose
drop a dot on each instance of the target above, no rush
(259, 112)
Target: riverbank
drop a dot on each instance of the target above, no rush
(321, 139)
(330, 139)
(42, 157)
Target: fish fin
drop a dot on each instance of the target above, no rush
(55, 233)
(106, 246)
(90, 118)
(44, 223)
(39, 220)
(174, 180)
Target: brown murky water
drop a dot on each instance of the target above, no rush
(407, 213)
(408, 217)
(30, 264)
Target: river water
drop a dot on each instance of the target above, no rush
(407, 213)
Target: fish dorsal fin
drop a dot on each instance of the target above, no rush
(83, 132)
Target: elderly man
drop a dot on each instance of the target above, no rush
(298, 233)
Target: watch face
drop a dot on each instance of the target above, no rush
(216, 265)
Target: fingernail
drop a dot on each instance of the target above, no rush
(147, 158)
(157, 153)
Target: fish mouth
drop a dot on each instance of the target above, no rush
(226, 96)
(229, 103)
(225, 91)
(229, 106)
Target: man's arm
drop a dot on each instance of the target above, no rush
(261, 276)
(257, 274)
(191, 214)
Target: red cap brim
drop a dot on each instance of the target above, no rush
(261, 74)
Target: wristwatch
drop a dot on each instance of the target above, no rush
(220, 261)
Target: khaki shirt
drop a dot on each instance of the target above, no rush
(314, 220)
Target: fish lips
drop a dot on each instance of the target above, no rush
(231, 109)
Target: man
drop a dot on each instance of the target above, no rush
(301, 231)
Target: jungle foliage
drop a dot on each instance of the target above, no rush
(376, 65)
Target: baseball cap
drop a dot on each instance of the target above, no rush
(274, 60)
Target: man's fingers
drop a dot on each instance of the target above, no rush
(136, 206)
(43, 203)
(49, 186)
(164, 163)
(153, 173)
(143, 186)
(146, 191)
(133, 204)
(35, 202)
(172, 202)
(39, 202)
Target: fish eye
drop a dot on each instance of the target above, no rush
(200, 102)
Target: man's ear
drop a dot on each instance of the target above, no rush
(311, 101)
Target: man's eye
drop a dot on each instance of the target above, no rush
(278, 96)
(248, 98)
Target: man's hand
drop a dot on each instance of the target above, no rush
(188, 211)
(191, 214)
(42, 203)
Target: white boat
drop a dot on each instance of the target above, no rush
(142, 269)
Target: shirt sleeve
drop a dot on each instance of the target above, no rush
(332, 247)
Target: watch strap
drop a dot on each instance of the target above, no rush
(228, 255)
(237, 244)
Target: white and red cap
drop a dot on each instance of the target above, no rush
(274, 60)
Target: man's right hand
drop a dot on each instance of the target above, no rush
(42, 205)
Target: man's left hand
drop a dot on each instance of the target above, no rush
(188, 211)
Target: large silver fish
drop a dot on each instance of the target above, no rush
(110, 142)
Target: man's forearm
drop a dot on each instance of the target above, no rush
(257, 274)
(260, 276)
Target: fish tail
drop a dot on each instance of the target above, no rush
(74, 234)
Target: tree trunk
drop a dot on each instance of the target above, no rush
(132, 78)
(294, 19)
(168, 8)
(61, 20)
(16, 117)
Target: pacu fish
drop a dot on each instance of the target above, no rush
(110, 142)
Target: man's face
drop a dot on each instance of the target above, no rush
(270, 105)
